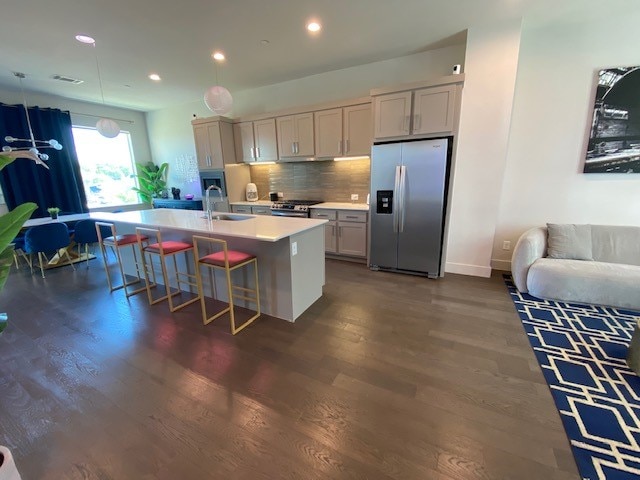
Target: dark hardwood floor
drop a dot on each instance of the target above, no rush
(386, 377)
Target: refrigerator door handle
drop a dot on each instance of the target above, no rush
(403, 203)
(396, 199)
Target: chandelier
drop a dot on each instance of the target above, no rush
(32, 145)
(107, 127)
(217, 98)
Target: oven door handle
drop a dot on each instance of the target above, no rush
(278, 213)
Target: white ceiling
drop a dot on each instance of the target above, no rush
(176, 39)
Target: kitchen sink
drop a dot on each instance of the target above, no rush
(232, 218)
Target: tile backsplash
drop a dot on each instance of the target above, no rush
(329, 181)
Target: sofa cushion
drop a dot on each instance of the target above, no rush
(616, 244)
(569, 241)
(578, 281)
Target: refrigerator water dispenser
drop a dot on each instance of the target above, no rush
(384, 201)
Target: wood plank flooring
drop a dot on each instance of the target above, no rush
(387, 376)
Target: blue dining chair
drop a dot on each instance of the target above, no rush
(18, 250)
(45, 239)
(85, 234)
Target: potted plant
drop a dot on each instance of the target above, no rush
(10, 225)
(53, 211)
(152, 181)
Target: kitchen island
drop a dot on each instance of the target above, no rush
(290, 251)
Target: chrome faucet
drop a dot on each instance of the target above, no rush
(208, 213)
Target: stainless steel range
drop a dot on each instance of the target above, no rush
(293, 208)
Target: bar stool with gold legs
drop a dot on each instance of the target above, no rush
(227, 260)
(163, 250)
(116, 242)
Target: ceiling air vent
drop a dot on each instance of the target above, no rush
(64, 78)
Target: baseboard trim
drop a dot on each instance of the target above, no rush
(463, 269)
(501, 265)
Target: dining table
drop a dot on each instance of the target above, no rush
(59, 258)
(74, 217)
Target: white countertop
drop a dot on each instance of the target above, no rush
(257, 227)
(257, 203)
(342, 206)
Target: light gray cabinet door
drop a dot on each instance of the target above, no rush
(352, 239)
(264, 132)
(433, 110)
(392, 115)
(330, 237)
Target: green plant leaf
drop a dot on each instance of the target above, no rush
(11, 223)
(4, 161)
(6, 260)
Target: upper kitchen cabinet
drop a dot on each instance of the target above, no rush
(328, 127)
(295, 135)
(357, 130)
(392, 115)
(214, 142)
(343, 131)
(419, 110)
(256, 141)
(433, 110)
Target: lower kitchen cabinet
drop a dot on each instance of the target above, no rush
(254, 210)
(346, 232)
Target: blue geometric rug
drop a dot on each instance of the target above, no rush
(582, 350)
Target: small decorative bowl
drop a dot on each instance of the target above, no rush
(189, 196)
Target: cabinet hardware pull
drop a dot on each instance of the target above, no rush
(339, 146)
(346, 146)
(406, 123)
(293, 147)
(351, 216)
(253, 153)
(339, 231)
(257, 152)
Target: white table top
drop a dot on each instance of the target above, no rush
(62, 218)
(257, 227)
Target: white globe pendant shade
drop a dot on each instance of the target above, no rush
(108, 128)
(218, 100)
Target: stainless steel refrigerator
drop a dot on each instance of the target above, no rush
(408, 201)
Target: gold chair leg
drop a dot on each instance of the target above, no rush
(40, 262)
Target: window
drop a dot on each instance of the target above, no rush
(107, 167)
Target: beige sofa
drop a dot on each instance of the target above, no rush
(594, 264)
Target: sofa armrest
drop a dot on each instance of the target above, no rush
(531, 246)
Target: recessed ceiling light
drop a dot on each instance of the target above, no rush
(155, 77)
(264, 42)
(314, 27)
(218, 56)
(85, 39)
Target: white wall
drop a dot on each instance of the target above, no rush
(170, 129)
(551, 114)
(490, 74)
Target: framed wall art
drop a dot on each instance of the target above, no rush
(614, 139)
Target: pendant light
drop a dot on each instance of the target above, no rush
(33, 146)
(217, 98)
(107, 127)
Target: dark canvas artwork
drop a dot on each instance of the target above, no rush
(614, 142)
